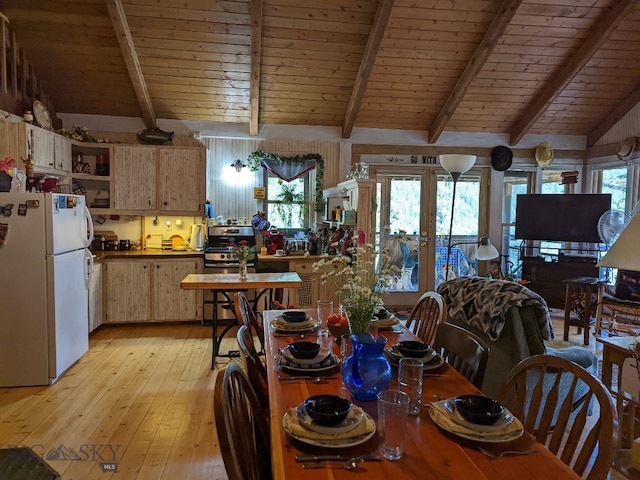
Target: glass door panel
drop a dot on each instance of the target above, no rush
(464, 233)
(399, 215)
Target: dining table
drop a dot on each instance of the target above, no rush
(429, 450)
(264, 283)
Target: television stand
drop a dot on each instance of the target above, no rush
(547, 278)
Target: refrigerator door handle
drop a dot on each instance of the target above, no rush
(88, 266)
(89, 233)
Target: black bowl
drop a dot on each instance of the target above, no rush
(327, 410)
(478, 409)
(413, 348)
(294, 316)
(381, 313)
(304, 350)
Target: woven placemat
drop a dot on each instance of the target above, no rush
(22, 463)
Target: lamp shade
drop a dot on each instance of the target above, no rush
(457, 163)
(486, 251)
(624, 253)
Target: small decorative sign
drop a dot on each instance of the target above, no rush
(259, 192)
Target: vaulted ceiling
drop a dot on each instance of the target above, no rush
(504, 66)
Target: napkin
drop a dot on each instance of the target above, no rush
(443, 418)
(282, 324)
(325, 362)
(292, 424)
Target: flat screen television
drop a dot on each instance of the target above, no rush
(560, 217)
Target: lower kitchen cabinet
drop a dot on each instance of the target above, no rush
(143, 290)
(95, 297)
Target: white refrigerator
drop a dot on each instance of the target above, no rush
(45, 270)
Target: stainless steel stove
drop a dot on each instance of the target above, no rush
(218, 258)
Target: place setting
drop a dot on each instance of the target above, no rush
(308, 358)
(477, 418)
(293, 322)
(430, 359)
(328, 421)
(384, 319)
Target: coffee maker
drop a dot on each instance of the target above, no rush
(273, 240)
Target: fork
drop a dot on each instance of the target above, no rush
(492, 454)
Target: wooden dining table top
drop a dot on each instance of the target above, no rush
(230, 281)
(429, 452)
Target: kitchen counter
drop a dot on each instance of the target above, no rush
(289, 258)
(148, 253)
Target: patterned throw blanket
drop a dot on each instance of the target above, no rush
(483, 303)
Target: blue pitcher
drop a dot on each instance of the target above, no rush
(366, 372)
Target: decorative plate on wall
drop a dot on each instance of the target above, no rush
(41, 114)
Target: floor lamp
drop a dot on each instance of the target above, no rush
(456, 165)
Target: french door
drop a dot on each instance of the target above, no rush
(402, 227)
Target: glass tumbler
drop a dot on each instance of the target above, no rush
(325, 308)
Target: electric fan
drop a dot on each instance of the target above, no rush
(611, 224)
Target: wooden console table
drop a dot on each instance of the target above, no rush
(579, 297)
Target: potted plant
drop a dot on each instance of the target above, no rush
(288, 197)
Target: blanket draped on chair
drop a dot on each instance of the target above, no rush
(483, 303)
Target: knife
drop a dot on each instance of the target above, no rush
(309, 457)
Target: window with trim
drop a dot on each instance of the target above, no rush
(287, 205)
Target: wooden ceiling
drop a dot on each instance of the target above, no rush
(512, 66)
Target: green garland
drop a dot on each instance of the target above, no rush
(254, 164)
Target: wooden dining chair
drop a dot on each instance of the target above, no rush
(256, 370)
(243, 432)
(429, 311)
(246, 315)
(463, 351)
(627, 399)
(542, 391)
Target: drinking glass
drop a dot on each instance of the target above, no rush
(410, 382)
(393, 410)
(345, 346)
(325, 308)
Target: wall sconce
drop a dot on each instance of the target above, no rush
(238, 165)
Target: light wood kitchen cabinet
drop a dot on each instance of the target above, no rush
(50, 152)
(134, 177)
(170, 302)
(141, 290)
(181, 174)
(150, 179)
(95, 297)
(308, 294)
(127, 291)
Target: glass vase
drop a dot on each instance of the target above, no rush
(242, 269)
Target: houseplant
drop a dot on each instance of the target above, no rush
(361, 278)
(288, 197)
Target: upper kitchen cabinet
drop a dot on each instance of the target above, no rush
(134, 176)
(50, 152)
(149, 179)
(181, 180)
(360, 195)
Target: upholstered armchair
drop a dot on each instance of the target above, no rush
(511, 319)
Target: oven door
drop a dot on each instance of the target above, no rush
(224, 312)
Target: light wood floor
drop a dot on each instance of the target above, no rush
(142, 397)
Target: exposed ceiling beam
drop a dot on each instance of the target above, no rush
(366, 65)
(256, 54)
(605, 124)
(123, 34)
(499, 24)
(607, 23)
